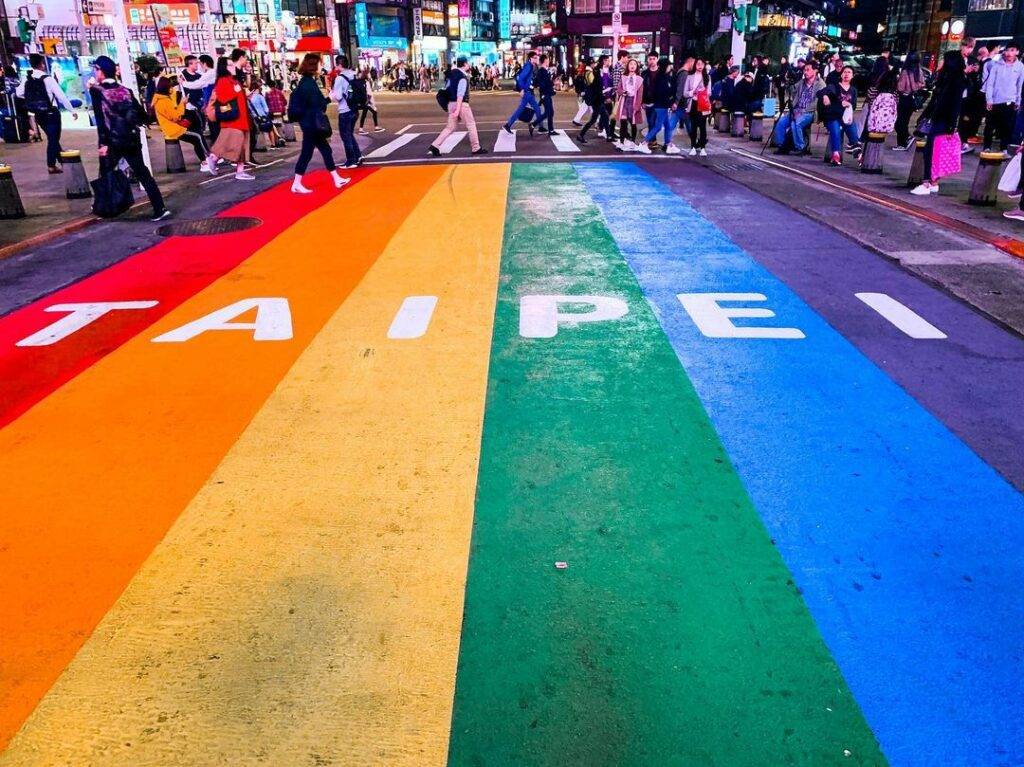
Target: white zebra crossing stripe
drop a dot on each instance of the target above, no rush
(506, 142)
(452, 141)
(391, 146)
(563, 143)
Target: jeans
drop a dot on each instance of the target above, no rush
(527, 100)
(786, 123)
(133, 156)
(836, 129)
(347, 129)
(904, 111)
(1000, 119)
(661, 122)
(49, 124)
(679, 116)
(548, 113)
(311, 141)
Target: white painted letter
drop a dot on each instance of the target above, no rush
(714, 321)
(273, 321)
(539, 316)
(911, 323)
(413, 317)
(80, 316)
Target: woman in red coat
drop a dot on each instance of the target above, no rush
(231, 113)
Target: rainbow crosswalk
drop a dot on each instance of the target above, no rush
(317, 521)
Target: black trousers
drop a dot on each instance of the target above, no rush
(599, 115)
(195, 140)
(1000, 120)
(547, 113)
(627, 128)
(133, 156)
(904, 111)
(698, 129)
(309, 143)
(362, 117)
(49, 124)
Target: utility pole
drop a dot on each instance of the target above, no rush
(616, 30)
(124, 60)
(739, 41)
(82, 48)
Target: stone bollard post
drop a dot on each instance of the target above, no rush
(10, 200)
(739, 124)
(722, 120)
(76, 185)
(986, 178)
(173, 156)
(874, 149)
(757, 126)
(261, 141)
(916, 175)
(288, 130)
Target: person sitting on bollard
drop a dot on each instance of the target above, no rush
(801, 110)
(169, 107)
(838, 105)
(44, 100)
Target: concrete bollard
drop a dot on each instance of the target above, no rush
(76, 185)
(986, 178)
(722, 121)
(288, 130)
(739, 124)
(757, 127)
(261, 141)
(874, 149)
(10, 200)
(916, 175)
(173, 156)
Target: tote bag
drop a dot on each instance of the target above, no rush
(112, 194)
(1010, 179)
(946, 155)
(882, 117)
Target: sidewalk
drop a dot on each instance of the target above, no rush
(46, 207)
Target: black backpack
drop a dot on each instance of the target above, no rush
(37, 100)
(122, 114)
(357, 98)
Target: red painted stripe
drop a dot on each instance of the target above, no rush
(169, 272)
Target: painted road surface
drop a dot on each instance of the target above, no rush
(592, 476)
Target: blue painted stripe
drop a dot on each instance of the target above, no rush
(909, 549)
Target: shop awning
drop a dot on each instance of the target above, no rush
(318, 44)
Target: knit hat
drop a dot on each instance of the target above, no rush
(106, 65)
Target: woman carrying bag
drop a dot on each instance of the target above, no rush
(308, 108)
(228, 107)
(939, 122)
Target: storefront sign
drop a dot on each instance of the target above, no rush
(774, 20)
(464, 12)
(433, 18)
(362, 24)
(435, 43)
(453, 20)
(417, 24)
(466, 28)
(504, 18)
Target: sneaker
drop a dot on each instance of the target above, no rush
(54, 170)
(620, 146)
(1016, 214)
(340, 181)
(967, 149)
(299, 188)
(531, 129)
(643, 148)
(1013, 196)
(703, 152)
(205, 168)
(554, 133)
(361, 132)
(692, 152)
(161, 215)
(506, 128)
(578, 125)
(922, 190)
(541, 129)
(836, 160)
(243, 176)
(481, 150)
(854, 148)
(629, 146)
(672, 149)
(433, 151)
(580, 139)
(378, 129)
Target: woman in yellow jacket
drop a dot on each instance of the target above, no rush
(170, 116)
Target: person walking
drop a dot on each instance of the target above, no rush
(1002, 86)
(119, 121)
(44, 99)
(649, 75)
(663, 101)
(942, 115)
(524, 84)
(908, 85)
(597, 96)
(350, 96)
(169, 107)
(838, 106)
(629, 105)
(307, 107)
(579, 84)
(229, 108)
(697, 92)
(456, 86)
(546, 92)
(369, 107)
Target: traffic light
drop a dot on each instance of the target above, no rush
(753, 17)
(745, 18)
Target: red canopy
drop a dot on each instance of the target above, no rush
(317, 44)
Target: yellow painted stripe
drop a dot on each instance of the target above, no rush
(306, 606)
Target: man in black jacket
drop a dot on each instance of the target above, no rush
(546, 92)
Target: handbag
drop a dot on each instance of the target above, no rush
(703, 102)
(946, 155)
(848, 115)
(227, 111)
(112, 194)
(1010, 180)
(322, 125)
(210, 111)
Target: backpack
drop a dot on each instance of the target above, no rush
(716, 90)
(443, 97)
(37, 100)
(579, 84)
(122, 114)
(882, 117)
(356, 98)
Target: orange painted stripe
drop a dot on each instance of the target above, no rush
(95, 474)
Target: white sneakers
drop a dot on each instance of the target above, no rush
(299, 188)
(693, 152)
(243, 176)
(339, 180)
(703, 152)
(643, 148)
(672, 149)
(925, 189)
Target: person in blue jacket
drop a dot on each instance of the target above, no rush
(546, 91)
(524, 84)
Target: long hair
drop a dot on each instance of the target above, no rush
(310, 64)
(222, 67)
(912, 62)
(703, 73)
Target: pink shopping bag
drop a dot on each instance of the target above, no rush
(946, 156)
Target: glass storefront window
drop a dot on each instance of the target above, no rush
(990, 5)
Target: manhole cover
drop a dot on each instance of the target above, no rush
(208, 226)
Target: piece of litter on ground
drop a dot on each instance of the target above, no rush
(847, 752)
(561, 565)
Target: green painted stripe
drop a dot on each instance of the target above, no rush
(675, 637)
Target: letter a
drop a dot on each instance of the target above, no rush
(539, 316)
(273, 321)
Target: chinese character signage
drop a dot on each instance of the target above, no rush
(464, 12)
(417, 24)
(504, 19)
(453, 21)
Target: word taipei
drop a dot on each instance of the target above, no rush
(540, 316)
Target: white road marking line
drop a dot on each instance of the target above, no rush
(617, 157)
(391, 146)
(563, 143)
(228, 174)
(453, 141)
(399, 133)
(413, 317)
(905, 319)
(505, 142)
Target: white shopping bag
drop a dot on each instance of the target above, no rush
(1010, 179)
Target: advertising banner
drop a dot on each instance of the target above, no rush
(417, 24)
(174, 56)
(504, 19)
(453, 21)
(464, 12)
